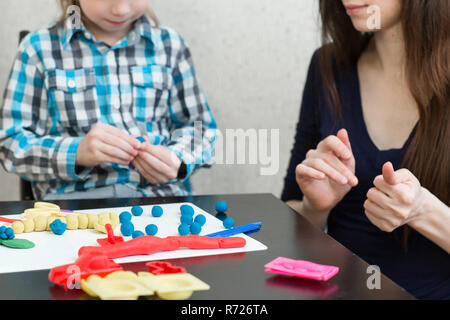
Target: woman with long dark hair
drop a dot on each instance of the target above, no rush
(371, 159)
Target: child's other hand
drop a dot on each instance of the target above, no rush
(157, 163)
(328, 173)
(396, 199)
(106, 143)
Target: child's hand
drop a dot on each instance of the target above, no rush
(328, 173)
(396, 199)
(106, 143)
(157, 164)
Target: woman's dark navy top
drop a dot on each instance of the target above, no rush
(424, 268)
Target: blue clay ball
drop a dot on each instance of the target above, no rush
(58, 227)
(137, 210)
(186, 219)
(183, 229)
(186, 210)
(157, 211)
(127, 229)
(228, 223)
(125, 217)
(221, 206)
(200, 219)
(137, 234)
(196, 228)
(151, 229)
(9, 233)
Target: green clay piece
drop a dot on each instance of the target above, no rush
(17, 243)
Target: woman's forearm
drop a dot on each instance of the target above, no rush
(433, 221)
(319, 219)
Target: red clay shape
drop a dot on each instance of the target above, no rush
(146, 245)
(162, 267)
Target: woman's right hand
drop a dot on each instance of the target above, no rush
(106, 143)
(328, 173)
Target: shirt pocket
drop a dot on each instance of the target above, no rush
(151, 92)
(75, 97)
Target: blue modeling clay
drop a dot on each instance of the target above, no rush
(186, 219)
(137, 210)
(228, 223)
(6, 233)
(125, 216)
(183, 229)
(58, 227)
(141, 139)
(186, 210)
(127, 229)
(221, 206)
(221, 216)
(137, 234)
(151, 229)
(157, 211)
(196, 228)
(200, 219)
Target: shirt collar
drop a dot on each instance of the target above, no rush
(142, 28)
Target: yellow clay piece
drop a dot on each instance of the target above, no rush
(114, 219)
(18, 227)
(40, 223)
(93, 219)
(176, 286)
(28, 225)
(115, 289)
(121, 275)
(72, 222)
(41, 204)
(50, 221)
(83, 221)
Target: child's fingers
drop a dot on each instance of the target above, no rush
(130, 139)
(328, 170)
(335, 145)
(113, 154)
(158, 168)
(119, 142)
(138, 164)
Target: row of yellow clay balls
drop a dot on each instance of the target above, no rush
(73, 221)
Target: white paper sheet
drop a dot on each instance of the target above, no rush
(52, 250)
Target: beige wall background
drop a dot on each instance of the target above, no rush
(251, 58)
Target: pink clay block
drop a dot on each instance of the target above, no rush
(301, 268)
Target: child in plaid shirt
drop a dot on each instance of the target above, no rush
(81, 92)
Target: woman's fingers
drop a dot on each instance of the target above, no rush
(304, 171)
(320, 165)
(389, 173)
(337, 164)
(335, 145)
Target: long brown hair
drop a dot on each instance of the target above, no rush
(65, 4)
(426, 27)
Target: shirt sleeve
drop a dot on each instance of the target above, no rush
(307, 133)
(193, 129)
(26, 146)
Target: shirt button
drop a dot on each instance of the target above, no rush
(71, 84)
(132, 36)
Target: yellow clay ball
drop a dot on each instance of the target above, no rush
(18, 227)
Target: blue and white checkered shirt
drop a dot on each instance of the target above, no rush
(63, 81)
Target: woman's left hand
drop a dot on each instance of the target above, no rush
(396, 199)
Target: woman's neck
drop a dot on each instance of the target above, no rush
(388, 48)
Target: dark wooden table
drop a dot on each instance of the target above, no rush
(233, 276)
